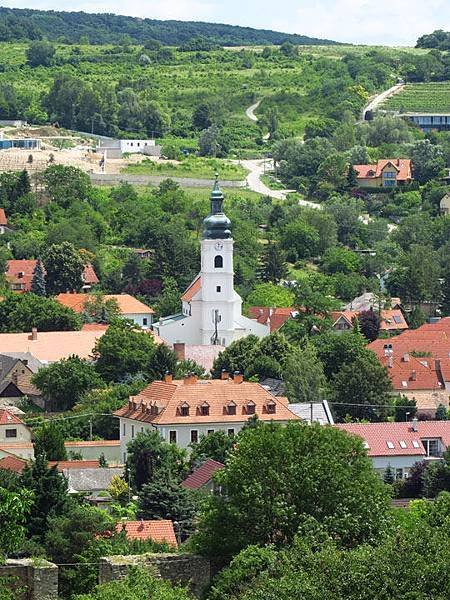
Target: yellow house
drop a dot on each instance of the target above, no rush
(387, 173)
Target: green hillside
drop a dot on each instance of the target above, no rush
(422, 97)
(71, 27)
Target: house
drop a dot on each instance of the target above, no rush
(4, 228)
(129, 307)
(418, 363)
(202, 477)
(117, 148)
(12, 463)
(386, 173)
(15, 379)
(22, 143)
(273, 318)
(89, 450)
(401, 445)
(391, 321)
(313, 412)
(428, 121)
(90, 480)
(12, 429)
(369, 301)
(185, 410)
(19, 274)
(211, 311)
(160, 532)
(444, 205)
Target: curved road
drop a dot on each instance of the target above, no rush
(380, 98)
(250, 112)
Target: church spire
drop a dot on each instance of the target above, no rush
(217, 224)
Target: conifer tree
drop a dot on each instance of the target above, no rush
(38, 285)
(273, 264)
(352, 180)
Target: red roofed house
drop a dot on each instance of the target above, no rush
(274, 318)
(418, 363)
(12, 429)
(400, 445)
(161, 532)
(12, 463)
(387, 173)
(3, 222)
(19, 274)
(129, 306)
(391, 320)
(202, 478)
(184, 410)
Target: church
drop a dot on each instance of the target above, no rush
(211, 311)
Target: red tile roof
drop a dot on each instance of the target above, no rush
(276, 316)
(74, 464)
(3, 219)
(401, 165)
(21, 271)
(13, 463)
(377, 436)
(7, 418)
(193, 288)
(158, 531)
(126, 304)
(202, 475)
(390, 320)
(160, 402)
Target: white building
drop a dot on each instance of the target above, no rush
(401, 445)
(211, 308)
(12, 429)
(111, 148)
(185, 410)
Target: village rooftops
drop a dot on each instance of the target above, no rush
(126, 304)
(192, 401)
(202, 475)
(19, 274)
(160, 532)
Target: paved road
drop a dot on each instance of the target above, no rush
(254, 183)
(250, 112)
(375, 102)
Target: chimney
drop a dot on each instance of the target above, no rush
(224, 375)
(143, 407)
(390, 361)
(168, 377)
(406, 357)
(414, 424)
(34, 333)
(413, 375)
(238, 377)
(180, 350)
(130, 404)
(190, 379)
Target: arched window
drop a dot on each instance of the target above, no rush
(218, 262)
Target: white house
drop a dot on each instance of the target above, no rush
(111, 148)
(401, 445)
(12, 429)
(211, 308)
(185, 410)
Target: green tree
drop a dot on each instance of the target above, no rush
(271, 295)
(427, 159)
(416, 279)
(299, 240)
(335, 351)
(369, 323)
(273, 264)
(403, 405)
(49, 441)
(268, 459)
(352, 179)
(64, 267)
(215, 445)
(388, 475)
(38, 281)
(151, 458)
(441, 413)
(14, 509)
(98, 309)
(65, 382)
(66, 185)
(436, 478)
(340, 260)
(236, 356)
(202, 116)
(22, 312)
(304, 377)
(123, 351)
(40, 53)
(169, 301)
(164, 360)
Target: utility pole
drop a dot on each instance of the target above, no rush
(90, 428)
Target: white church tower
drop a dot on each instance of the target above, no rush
(211, 309)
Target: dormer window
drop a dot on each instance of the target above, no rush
(218, 262)
(184, 409)
(231, 408)
(251, 406)
(204, 409)
(271, 407)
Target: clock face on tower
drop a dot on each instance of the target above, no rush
(218, 246)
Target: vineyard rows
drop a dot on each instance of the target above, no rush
(421, 97)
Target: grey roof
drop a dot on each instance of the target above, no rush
(31, 361)
(274, 386)
(321, 412)
(6, 364)
(91, 480)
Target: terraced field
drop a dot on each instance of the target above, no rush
(421, 97)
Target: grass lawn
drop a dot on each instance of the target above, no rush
(271, 182)
(201, 168)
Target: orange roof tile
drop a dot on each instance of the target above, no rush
(89, 275)
(160, 402)
(13, 463)
(401, 165)
(3, 219)
(276, 316)
(202, 475)
(8, 418)
(88, 443)
(126, 304)
(158, 531)
(74, 464)
(21, 271)
(190, 291)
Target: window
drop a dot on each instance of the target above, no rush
(251, 408)
(142, 430)
(230, 432)
(184, 410)
(390, 445)
(271, 408)
(397, 319)
(218, 288)
(144, 321)
(432, 447)
(124, 429)
(416, 444)
(218, 262)
(231, 409)
(210, 431)
(11, 433)
(132, 431)
(194, 436)
(204, 409)
(403, 444)
(124, 457)
(173, 437)
(398, 473)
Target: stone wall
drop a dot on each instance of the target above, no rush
(36, 579)
(184, 569)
